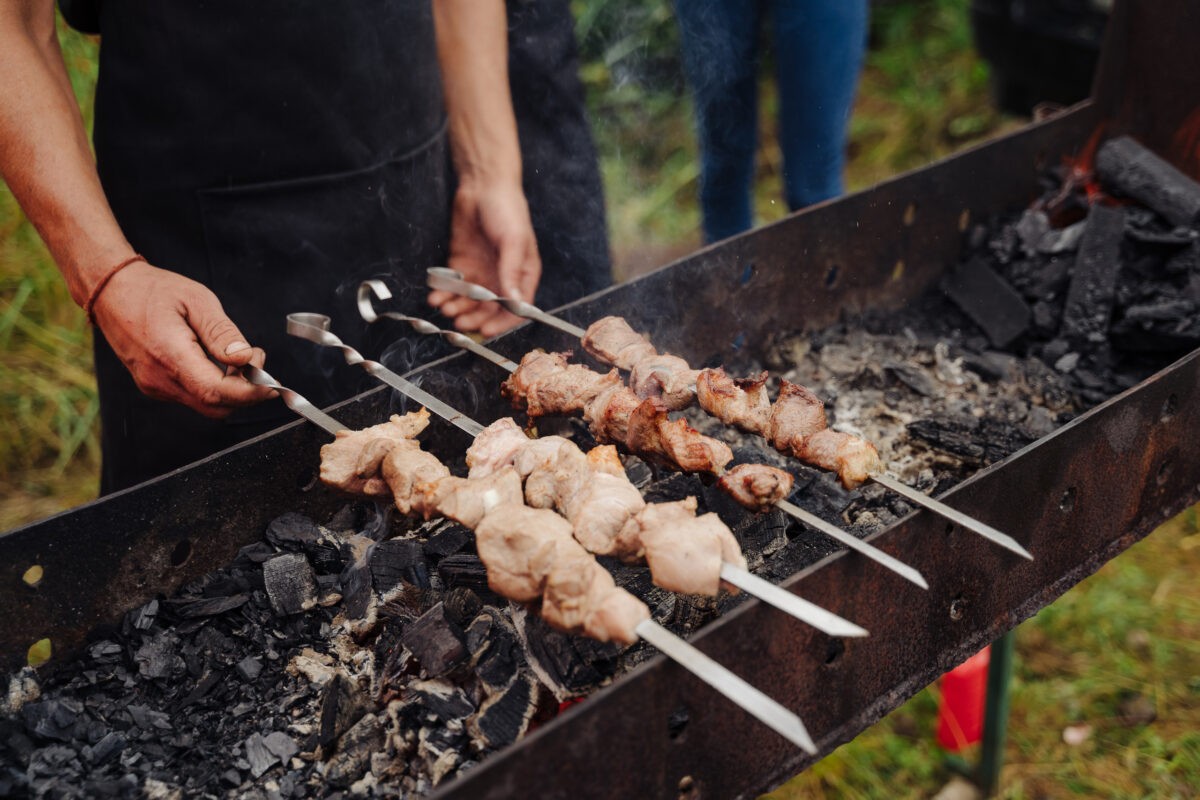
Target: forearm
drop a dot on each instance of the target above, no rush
(472, 38)
(44, 152)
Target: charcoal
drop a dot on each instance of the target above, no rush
(467, 571)
(495, 650)
(503, 717)
(1162, 311)
(638, 471)
(397, 560)
(1067, 362)
(991, 365)
(447, 540)
(52, 719)
(461, 606)
(109, 746)
(196, 608)
(436, 641)
(1173, 239)
(676, 486)
(443, 700)
(1093, 284)
(1126, 168)
(342, 705)
(913, 378)
(290, 583)
(260, 758)
(1045, 318)
(281, 746)
(569, 665)
(293, 531)
(148, 719)
(1185, 261)
(231, 778)
(354, 750)
(1062, 240)
(143, 618)
(249, 668)
(255, 553)
(159, 656)
(988, 300)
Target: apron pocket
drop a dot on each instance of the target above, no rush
(305, 245)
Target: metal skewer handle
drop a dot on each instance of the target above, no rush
(450, 280)
(315, 328)
(293, 400)
(379, 289)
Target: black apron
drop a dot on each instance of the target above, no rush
(279, 152)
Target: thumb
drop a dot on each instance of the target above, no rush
(519, 269)
(217, 333)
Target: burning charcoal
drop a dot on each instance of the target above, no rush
(447, 540)
(1127, 168)
(196, 608)
(504, 717)
(437, 642)
(249, 668)
(342, 705)
(462, 605)
(354, 751)
(676, 486)
(396, 560)
(495, 650)
(989, 301)
(1093, 284)
(466, 570)
(291, 585)
(568, 665)
(356, 578)
(293, 531)
(159, 656)
(444, 701)
(260, 758)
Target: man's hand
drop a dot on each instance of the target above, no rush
(492, 244)
(169, 330)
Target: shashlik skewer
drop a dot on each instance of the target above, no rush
(315, 328)
(754, 486)
(504, 529)
(830, 451)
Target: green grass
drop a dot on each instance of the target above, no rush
(1131, 629)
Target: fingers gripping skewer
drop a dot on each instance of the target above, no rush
(450, 280)
(850, 541)
(315, 328)
(744, 695)
(769, 593)
(294, 401)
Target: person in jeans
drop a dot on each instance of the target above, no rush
(818, 50)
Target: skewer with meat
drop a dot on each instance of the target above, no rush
(685, 552)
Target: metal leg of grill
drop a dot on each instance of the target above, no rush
(986, 773)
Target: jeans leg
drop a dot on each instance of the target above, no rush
(719, 44)
(819, 46)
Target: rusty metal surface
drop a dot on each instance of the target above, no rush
(619, 743)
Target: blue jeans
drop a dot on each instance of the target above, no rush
(819, 48)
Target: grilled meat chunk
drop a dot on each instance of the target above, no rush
(530, 553)
(608, 414)
(853, 459)
(676, 443)
(352, 462)
(545, 383)
(407, 470)
(685, 552)
(666, 377)
(740, 402)
(495, 447)
(757, 486)
(611, 340)
(796, 415)
(466, 500)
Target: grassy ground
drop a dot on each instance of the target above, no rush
(1125, 638)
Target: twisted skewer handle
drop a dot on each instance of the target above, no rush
(449, 280)
(293, 400)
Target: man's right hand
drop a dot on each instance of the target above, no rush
(169, 330)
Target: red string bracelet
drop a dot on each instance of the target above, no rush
(89, 307)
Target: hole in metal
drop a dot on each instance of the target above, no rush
(678, 722)
(834, 651)
(1170, 407)
(181, 553)
(831, 277)
(747, 274)
(910, 215)
(33, 576)
(964, 220)
(1164, 472)
(1067, 502)
(958, 607)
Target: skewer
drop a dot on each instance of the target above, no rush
(452, 281)
(308, 326)
(812, 520)
(744, 695)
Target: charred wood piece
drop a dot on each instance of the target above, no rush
(989, 301)
(290, 583)
(1128, 169)
(1093, 284)
(437, 642)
